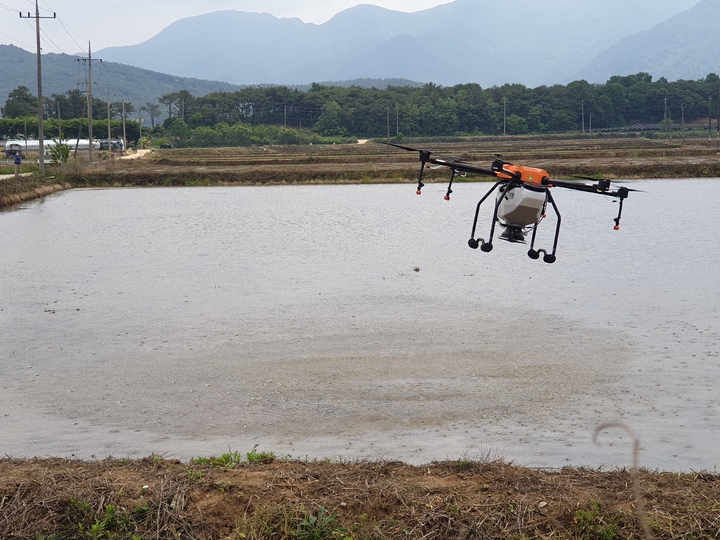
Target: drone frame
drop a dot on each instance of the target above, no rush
(511, 176)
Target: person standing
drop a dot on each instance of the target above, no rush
(18, 161)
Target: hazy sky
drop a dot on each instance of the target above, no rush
(127, 22)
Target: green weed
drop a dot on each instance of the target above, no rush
(227, 460)
(592, 525)
(230, 459)
(253, 456)
(321, 526)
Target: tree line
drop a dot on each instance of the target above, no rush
(278, 114)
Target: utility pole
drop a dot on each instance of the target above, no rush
(397, 118)
(109, 133)
(60, 137)
(124, 129)
(41, 130)
(710, 121)
(89, 61)
(582, 106)
(682, 121)
(504, 100)
(718, 122)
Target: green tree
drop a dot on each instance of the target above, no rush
(516, 125)
(60, 153)
(536, 119)
(153, 109)
(329, 123)
(20, 103)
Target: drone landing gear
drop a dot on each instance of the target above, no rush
(547, 257)
(480, 243)
(515, 234)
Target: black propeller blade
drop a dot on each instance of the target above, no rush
(423, 153)
(401, 147)
(604, 184)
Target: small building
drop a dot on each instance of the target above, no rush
(33, 145)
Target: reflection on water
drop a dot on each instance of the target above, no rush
(354, 321)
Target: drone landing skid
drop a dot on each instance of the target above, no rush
(530, 212)
(480, 243)
(547, 257)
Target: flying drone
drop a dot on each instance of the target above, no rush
(522, 197)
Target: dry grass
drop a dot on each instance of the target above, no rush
(158, 498)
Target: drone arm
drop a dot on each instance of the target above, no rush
(459, 166)
(601, 188)
(456, 166)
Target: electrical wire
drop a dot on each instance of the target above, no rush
(69, 34)
(26, 45)
(8, 8)
(44, 36)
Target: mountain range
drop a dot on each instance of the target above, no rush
(489, 42)
(64, 72)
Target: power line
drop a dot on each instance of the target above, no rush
(69, 34)
(43, 36)
(41, 135)
(89, 60)
(48, 41)
(15, 40)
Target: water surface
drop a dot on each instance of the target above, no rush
(354, 321)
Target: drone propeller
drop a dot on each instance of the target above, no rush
(604, 184)
(425, 152)
(401, 147)
(424, 157)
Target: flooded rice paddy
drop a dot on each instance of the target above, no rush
(354, 322)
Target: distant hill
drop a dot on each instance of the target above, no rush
(687, 46)
(62, 72)
(490, 42)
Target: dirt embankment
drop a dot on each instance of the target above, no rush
(224, 498)
(373, 163)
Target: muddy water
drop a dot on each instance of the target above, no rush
(354, 321)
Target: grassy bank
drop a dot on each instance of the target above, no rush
(255, 496)
(373, 163)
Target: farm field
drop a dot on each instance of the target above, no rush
(372, 162)
(256, 494)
